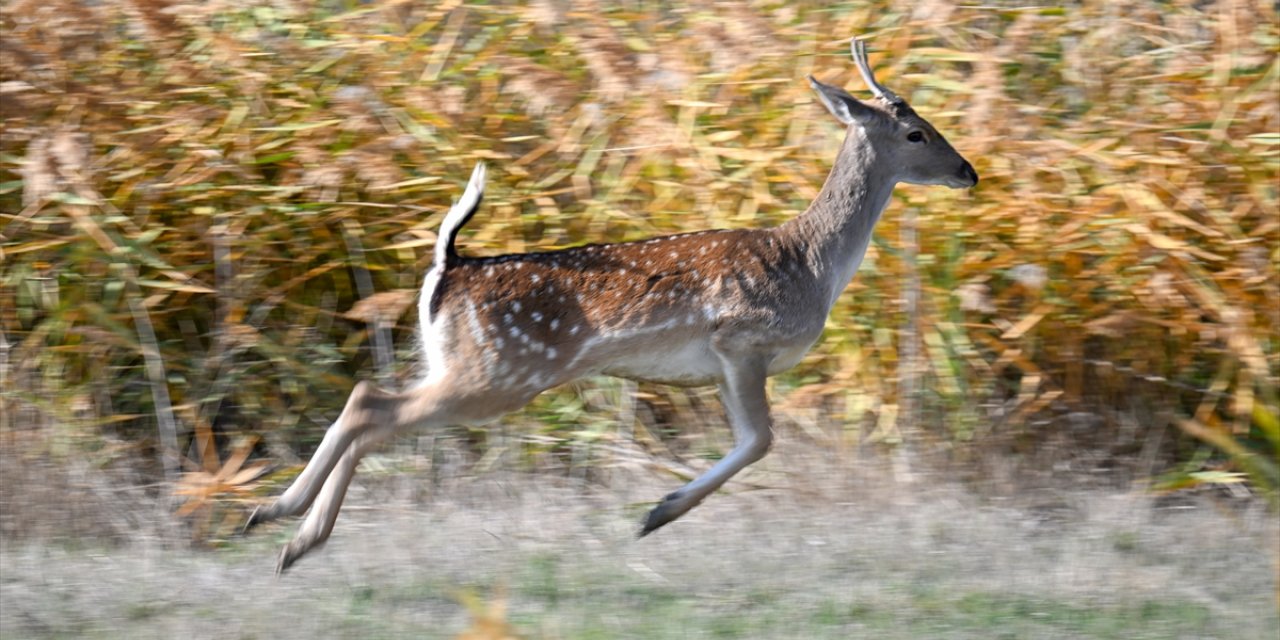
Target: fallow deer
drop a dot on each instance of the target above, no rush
(724, 307)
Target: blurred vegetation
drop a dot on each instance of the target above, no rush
(215, 215)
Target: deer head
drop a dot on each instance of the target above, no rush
(901, 139)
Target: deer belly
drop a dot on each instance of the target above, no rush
(683, 364)
(788, 358)
(791, 353)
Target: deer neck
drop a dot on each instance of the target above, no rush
(834, 232)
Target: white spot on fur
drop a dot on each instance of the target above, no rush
(478, 333)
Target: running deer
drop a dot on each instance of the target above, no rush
(724, 307)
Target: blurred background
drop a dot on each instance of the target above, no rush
(214, 217)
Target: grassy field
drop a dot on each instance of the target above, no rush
(842, 551)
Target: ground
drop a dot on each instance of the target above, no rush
(828, 554)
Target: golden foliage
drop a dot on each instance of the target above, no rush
(1124, 241)
(488, 622)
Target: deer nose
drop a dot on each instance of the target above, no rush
(969, 174)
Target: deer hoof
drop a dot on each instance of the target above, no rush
(669, 509)
(288, 556)
(253, 521)
(260, 515)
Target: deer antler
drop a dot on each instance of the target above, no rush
(859, 47)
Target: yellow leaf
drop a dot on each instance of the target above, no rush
(249, 473)
(694, 104)
(427, 239)
(186, 287)
(722, 136)
(1026, 323)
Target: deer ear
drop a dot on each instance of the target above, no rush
(844, 107)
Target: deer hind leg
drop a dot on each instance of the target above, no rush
(319, 522)
(745, 403)
(370, 417)
(299, 496)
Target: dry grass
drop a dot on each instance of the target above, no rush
(835, 553)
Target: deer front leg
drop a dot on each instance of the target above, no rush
(743, 395)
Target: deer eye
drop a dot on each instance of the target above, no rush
(915, 136)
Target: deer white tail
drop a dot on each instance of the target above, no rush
(446, 252)
(458, 215)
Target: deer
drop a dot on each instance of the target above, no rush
(727, 307)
